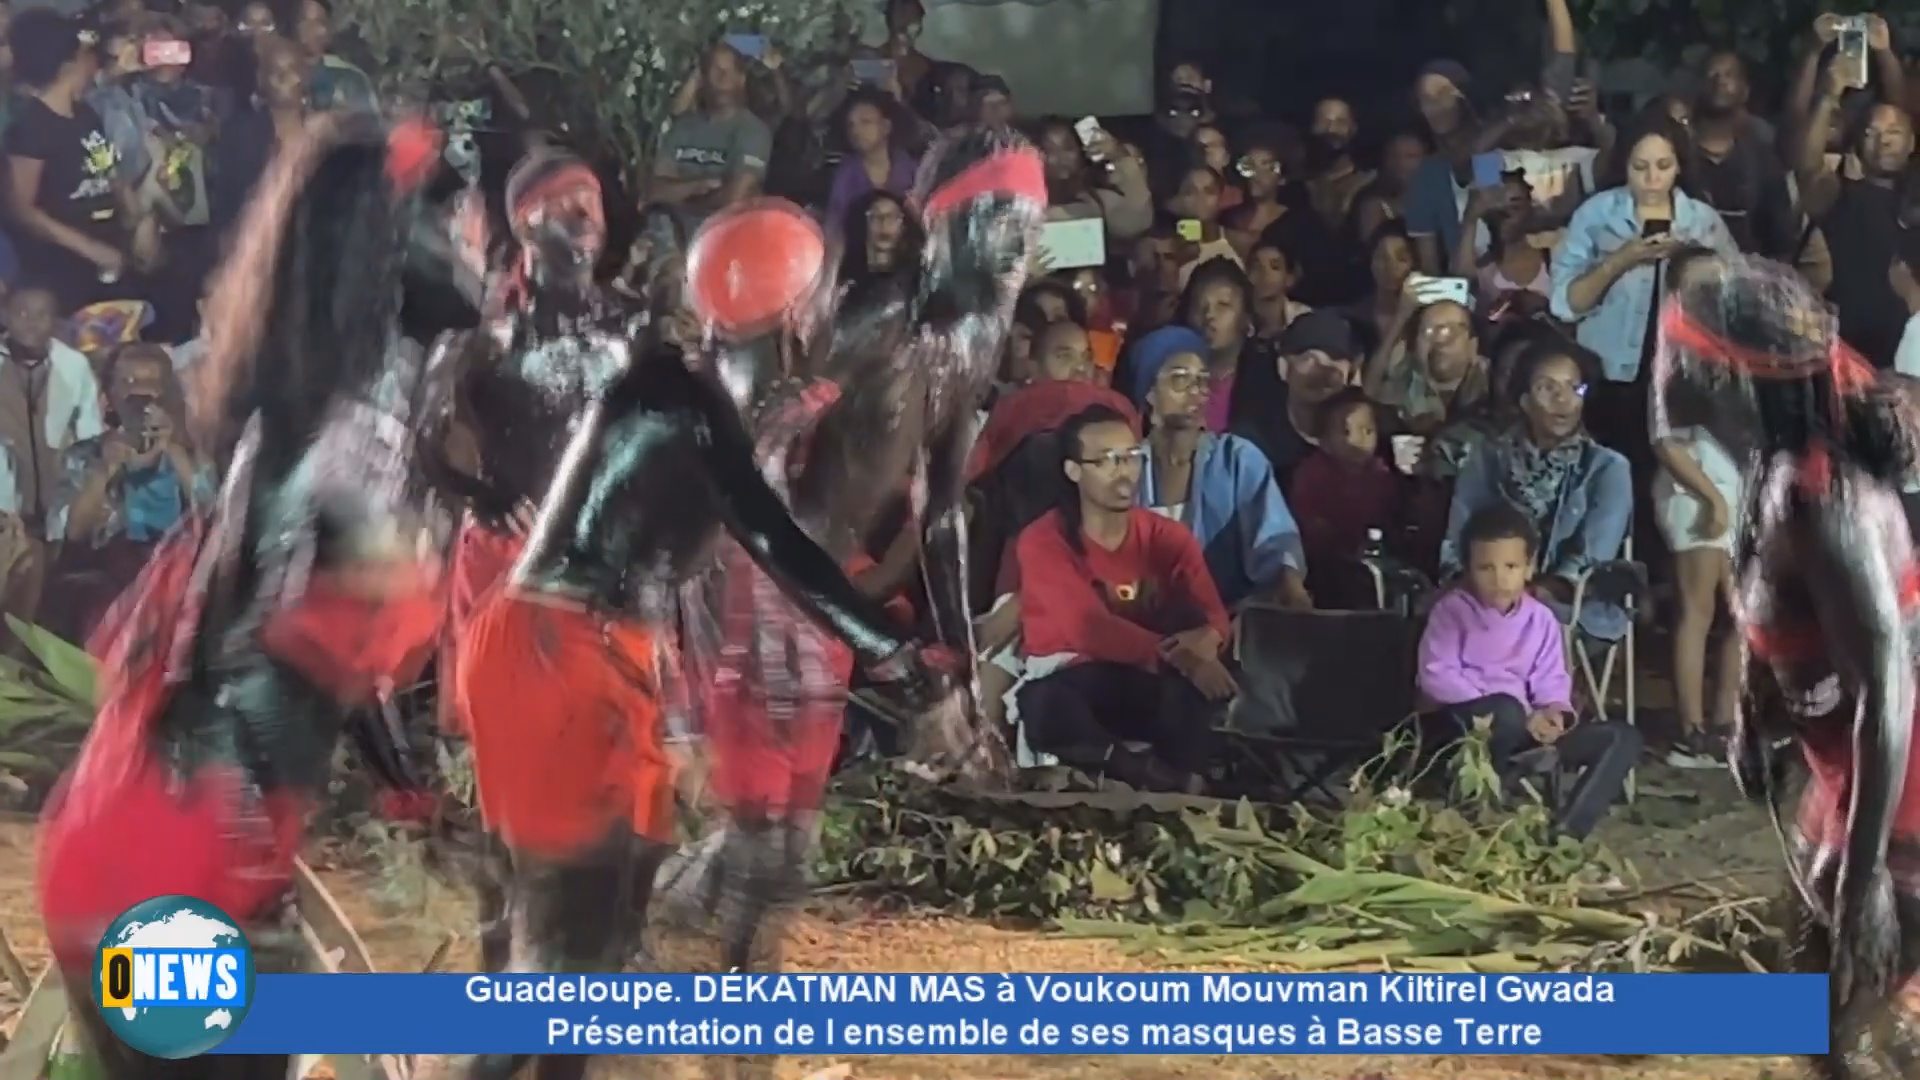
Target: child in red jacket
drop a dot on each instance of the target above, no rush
(1345, 488)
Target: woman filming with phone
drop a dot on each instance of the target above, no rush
(1607, 280)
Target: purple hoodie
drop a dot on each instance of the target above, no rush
(850, 182)
(1472, 651)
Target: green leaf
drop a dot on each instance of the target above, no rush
(1109, 886)
(20, 761)
(69, 665)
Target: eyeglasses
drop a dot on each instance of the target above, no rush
(1185, 381)
(1114, 459)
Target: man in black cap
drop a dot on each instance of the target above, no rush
(1319, 356)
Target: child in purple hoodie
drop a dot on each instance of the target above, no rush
(1493, 654)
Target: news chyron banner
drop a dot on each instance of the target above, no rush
(1035, 1014)
(175, 979)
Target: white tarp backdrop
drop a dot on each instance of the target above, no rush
(1071, 57)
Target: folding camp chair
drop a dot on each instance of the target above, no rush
(1319, 693)
(1621, 583)
(1397, 586)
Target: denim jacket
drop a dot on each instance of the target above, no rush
(1616, 327)
(1235, 509)
(1587, 527)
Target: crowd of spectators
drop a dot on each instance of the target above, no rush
(1252, 352)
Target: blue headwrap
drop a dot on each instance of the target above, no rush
(1152, 352)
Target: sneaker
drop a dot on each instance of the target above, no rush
(1699, 749)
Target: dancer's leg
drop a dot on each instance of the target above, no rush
(493, 875)
(579, 915)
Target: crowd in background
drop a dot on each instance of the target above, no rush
(1251, 355)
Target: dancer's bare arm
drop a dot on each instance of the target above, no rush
(1856, 592)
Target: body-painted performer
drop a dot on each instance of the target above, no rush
(552, 342)
(508, 397)
(899, 375)
(229, 668)
(560, 669)
(1827, 591)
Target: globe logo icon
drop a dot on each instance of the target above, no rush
(174, 978)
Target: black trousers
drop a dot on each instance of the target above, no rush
(580, 915)
(1079, 711)
(1617, 417)
(1602, 753)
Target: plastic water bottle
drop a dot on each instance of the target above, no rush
(1376, 545)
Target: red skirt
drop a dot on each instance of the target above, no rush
(481, 559)
(565, 721)
(767, 767)
(123, 827)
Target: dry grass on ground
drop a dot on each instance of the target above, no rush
(844, 939)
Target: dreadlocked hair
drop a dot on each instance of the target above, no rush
(1800, 403)
(303, 307)
(1071, 520)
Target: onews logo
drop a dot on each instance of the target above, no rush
(175, 977)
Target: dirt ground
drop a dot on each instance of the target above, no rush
(1684, 827)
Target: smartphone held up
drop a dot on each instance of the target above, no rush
(165, 52)
(1089, 130)
(751, 46)
(1853, 50)
(872, 72)
(1427, 290)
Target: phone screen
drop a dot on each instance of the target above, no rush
(1489, 170)
(1854, 54)
(167, 53)
(751, 46)
(873, 72)
(1189, 229)
(1656, 228)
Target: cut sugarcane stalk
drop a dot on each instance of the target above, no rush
(337, 948)
(73, 1057)
(26, 1057)
(13, 969)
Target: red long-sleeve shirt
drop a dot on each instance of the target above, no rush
(1336, 503)
(1114, 605)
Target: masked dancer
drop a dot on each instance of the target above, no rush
(229, 668)
(895, 379)
(1826, 591)
(560, 669)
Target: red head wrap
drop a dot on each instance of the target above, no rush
(1825, 352)
(1017, 173)
(413, 151)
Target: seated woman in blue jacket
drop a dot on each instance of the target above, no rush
(1577, 494)
(1220, 486)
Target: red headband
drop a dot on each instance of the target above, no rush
(1849, 370)
(563, 178)
(1016, 173)
(413, 150)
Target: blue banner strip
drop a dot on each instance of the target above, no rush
(1036, 1014)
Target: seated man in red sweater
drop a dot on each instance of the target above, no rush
(1122, 627)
